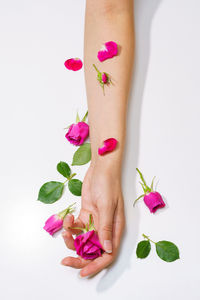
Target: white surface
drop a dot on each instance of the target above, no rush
(39, 97)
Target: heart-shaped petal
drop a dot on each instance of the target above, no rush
(73, 64)
(109, 50)
(109, 145)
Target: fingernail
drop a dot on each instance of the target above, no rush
(80, 276)
(108, 246)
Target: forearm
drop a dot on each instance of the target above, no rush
(108, 20)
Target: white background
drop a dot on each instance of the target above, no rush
(39, 97)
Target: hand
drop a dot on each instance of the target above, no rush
(101, 197)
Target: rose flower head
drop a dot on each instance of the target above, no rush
(55, 222)
(78, 132)
(152, 199)
(87, 244)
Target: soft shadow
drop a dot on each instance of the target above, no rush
(144, 13)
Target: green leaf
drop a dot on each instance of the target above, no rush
(75, 187)
(144, 182)
(152, 183)
(167, 251)
(83, 155)
(77, 118)
(50, 192)
(64, 169)
(143, 249)
(85, 117)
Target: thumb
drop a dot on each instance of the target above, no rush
(105, 228)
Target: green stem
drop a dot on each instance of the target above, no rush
(78, 228)
(74, 174)
(90, 220)
(146, 237)
(96, 68)
(68, 179)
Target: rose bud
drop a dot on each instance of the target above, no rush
(87, 244)
(152, 199)
(55, 222)
(103, 78)
(109, 145)
(77, 133)
(73, 64)
(108, 50)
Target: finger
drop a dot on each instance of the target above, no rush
(75, 262)
(68, 239)
(106, 216)
(118, 228)
(69, 222)
(97, 265)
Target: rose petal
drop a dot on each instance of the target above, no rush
(104, 78)
(109, 145)
(53, 224)
(77, 133)
(87, 245)
(154, 201)
(73, 64)
(110, 50)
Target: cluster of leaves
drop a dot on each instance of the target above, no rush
(166, 250)
(52, 191)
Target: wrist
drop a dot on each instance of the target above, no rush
(109, 163)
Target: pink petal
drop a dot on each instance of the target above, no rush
(109, 145)
(104, 77)
(110, 50)
(87, 245)
(53, 224)
(77, 133)
(73, 64)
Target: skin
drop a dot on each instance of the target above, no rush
(105, 20)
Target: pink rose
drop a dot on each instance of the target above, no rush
(154, 201)
(109, 50)
(73, 64)
(77, 133)
(109, 145)
(87, 245)
(55, 222)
